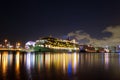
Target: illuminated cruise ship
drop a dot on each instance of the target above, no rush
(48, 44)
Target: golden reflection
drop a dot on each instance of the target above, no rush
(47, 60)
(0, 58)
(64, 70)
(17, 66)
(40, 61)
(62, 61)
(4, 62)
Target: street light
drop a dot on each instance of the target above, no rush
(18, 45)
(5, 42)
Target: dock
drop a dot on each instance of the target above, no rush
(12, 49)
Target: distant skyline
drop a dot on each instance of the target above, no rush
(29, 20)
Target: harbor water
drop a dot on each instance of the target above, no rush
(59, 66)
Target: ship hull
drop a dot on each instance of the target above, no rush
(45, 49)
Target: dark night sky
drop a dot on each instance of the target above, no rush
(29, 20)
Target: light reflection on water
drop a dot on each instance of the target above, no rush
(59, 61)
(4, 63)
(17, 64)
(25, 66)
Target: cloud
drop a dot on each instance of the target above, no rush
(79, 34)
(113, 40)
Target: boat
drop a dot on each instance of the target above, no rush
(87, 49)
(51, 44)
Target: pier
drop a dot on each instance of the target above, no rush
(13, 49)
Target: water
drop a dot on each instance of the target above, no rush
(59, 66)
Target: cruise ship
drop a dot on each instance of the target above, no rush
(51, 44)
